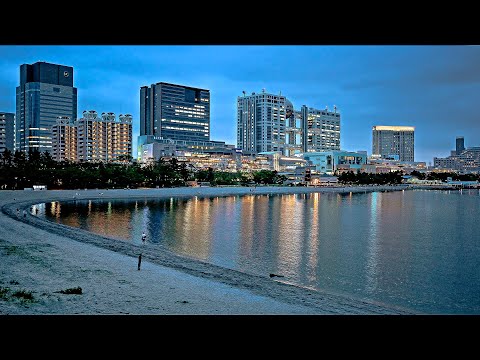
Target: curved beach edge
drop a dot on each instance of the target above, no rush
(40, 258)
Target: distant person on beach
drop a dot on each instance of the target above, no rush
(144, 237)
(24, 213)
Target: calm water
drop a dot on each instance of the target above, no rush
(416, 249)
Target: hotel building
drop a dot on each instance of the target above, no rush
(46, 92)
(395, 142)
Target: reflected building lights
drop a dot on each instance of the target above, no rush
(312, 243)
(372, 259)
(193, 227)
(289, 233)
(247, 214)
(384, 247)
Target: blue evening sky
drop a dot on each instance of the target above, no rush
(434, 88)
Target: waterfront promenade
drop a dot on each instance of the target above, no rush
(44, 258)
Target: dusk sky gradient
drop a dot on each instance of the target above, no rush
(434, 88)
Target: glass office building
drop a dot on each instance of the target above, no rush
(46, 92)
(176, 112)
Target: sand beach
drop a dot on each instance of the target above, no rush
(44, 258)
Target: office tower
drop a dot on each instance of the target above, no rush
(64, 140)
(395, 142)
(321, 129)
(261, 122)
(103, 138)
(46, 92)
(176, 112)
(459, 145)
(7, 135)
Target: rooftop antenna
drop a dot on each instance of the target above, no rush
(335, 108)
(243, 92)
(263, 90)
(326, 108)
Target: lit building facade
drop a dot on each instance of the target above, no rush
(267, 122)
(64, 140)
(104, 138)
(321, 129)
(218, 162)
(46, 92)
(7, 132)
(376, 164)
(176, 112)
(151, 147)
(261, 123)
(279, 162)
(449, 162)
(463, 159)
(93, 138)
(388, 141)
(328, 162)
(293, 131)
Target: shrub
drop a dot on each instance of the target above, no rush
(23, 294)
(75, 290)
(3, 292)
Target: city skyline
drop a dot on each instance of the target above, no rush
(429, 87)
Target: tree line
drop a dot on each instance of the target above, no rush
(444, 175)
(19, 170)
(396, 177)
(361, 178)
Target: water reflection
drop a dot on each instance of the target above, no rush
(418, 249)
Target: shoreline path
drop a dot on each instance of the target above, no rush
(43, 258)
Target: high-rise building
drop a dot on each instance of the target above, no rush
(93, 137)
(269, 123)
(261, 122)
(394, 142)
(64, 140)
(176, 112)
(459, 145)
(7, 135)
(321, 129)
(46, 92)
(103, 138)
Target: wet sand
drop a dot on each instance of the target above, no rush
(44, 258)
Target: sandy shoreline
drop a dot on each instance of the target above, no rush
(44, 258)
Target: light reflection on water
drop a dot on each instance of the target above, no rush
(417, 249)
